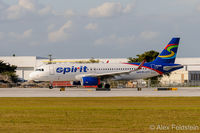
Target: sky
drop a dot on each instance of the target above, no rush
(99, 29)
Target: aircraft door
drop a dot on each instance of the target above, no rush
(51, 70)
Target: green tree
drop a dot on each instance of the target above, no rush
(9, 70)
(7, 67)
(93, 61)
(148, 56)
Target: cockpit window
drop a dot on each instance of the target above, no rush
(41, 69)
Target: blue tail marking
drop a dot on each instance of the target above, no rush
(168, 55)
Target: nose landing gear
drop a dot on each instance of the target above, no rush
(50, 86)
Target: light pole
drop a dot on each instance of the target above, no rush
(50, 59)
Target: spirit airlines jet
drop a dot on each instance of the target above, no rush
(96, 74)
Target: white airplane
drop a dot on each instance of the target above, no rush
(98, 73)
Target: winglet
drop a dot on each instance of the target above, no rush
(141, 64)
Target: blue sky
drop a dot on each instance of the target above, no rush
(106, 28)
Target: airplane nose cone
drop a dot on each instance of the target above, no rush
(32, 76)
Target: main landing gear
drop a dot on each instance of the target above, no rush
(103, 87)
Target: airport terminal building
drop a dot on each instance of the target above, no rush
(27, 64)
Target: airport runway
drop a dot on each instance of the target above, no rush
(85, 92)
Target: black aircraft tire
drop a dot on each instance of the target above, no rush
(50, 87)
(107, 86)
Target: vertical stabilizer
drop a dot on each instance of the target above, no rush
(168, 55)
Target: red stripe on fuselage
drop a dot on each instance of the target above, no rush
(146, 67)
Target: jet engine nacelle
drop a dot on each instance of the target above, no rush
(90, 81)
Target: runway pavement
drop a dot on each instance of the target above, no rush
(91, 92)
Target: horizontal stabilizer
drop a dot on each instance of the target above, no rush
(167, 68)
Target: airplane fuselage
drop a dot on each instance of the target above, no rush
(92, 74)
(75, 72)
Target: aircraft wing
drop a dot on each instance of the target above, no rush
(112, 74)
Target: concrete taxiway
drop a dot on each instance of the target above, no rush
(85, 92)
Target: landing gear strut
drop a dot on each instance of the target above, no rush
(51, 85)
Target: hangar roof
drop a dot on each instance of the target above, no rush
(20, 61)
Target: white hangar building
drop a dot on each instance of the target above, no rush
(190, 72)
(27, 64)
